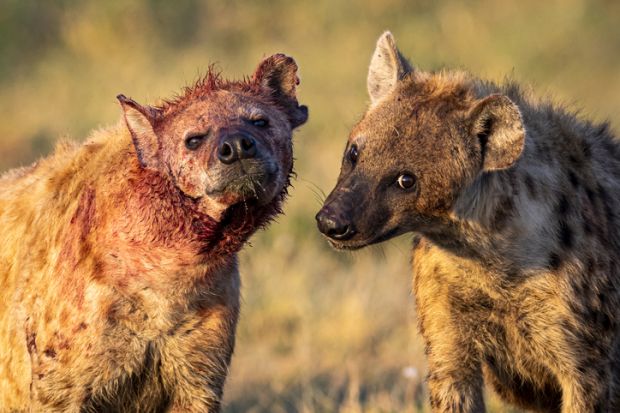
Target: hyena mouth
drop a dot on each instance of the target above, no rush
(251, 180)
(354, 244)
(258, 185)
(250, 185)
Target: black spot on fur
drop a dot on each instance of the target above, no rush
(514, 184)
(31, 343)
(566, 234)
(604, 321)
(523, 327)
(513, 273)
(433, 399)
(587, 226)
(607, 202)
(496, 330)
(611, 146)
(563, 205)
(432, 376)
(602, 299)
(428, 349)
(570, 326)
(543, 152)
(554, 261)
(599, 407)
(586, 150)
(503, 213)
(416, 241)
(577, 289)
(573, 179)
(602, 129)
(483, 137)
(531, 186)
(576, 161)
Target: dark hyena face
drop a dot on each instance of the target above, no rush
(224, 143)
(424, 139)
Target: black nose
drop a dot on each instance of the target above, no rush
(236, 147)
(334, 226)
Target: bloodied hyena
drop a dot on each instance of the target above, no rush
(118, 270)
(517, 265)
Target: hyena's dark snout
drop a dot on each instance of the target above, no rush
(235, 147)
(335, 221)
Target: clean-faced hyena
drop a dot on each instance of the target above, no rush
(119, 288)
(516, 272)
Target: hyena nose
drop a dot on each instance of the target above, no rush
(335, 227)
(236, 147)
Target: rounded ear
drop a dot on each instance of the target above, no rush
(140, 120)
(277, 75)
(387, 67)
(498, 125)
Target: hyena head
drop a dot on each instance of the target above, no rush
(424, 140)
(223, 143)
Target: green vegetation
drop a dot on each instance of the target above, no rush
(320, 331)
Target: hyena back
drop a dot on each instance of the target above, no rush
(516, 209)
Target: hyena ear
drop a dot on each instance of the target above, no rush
(496, 122)
(387, 67)
(277, 75)
(140, 120)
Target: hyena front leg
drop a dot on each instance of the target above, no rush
(578, 355)
(587, 393)
(200, 374)
(199, 353)
(455, 374)
(455, 378)
(585, 383)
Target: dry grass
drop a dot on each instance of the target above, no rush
(321, 331)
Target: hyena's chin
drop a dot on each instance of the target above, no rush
(259, 182)
(262, 188)
(345, 246)
(356, 244)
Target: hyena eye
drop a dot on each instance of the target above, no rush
(406, 181)
(194, 142)
(260, 123)
(353, 154)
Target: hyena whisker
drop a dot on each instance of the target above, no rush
(319, 194)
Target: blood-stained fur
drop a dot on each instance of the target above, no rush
(119, 287)
(515, 204)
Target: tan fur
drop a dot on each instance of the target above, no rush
(118, 291)
(516, 272)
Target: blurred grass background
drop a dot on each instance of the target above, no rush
(320, 331)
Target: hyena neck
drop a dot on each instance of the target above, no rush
(505, 212)
(136, 226)
(163, 216)
(481, 222)
(516, 218)
(239, 223)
